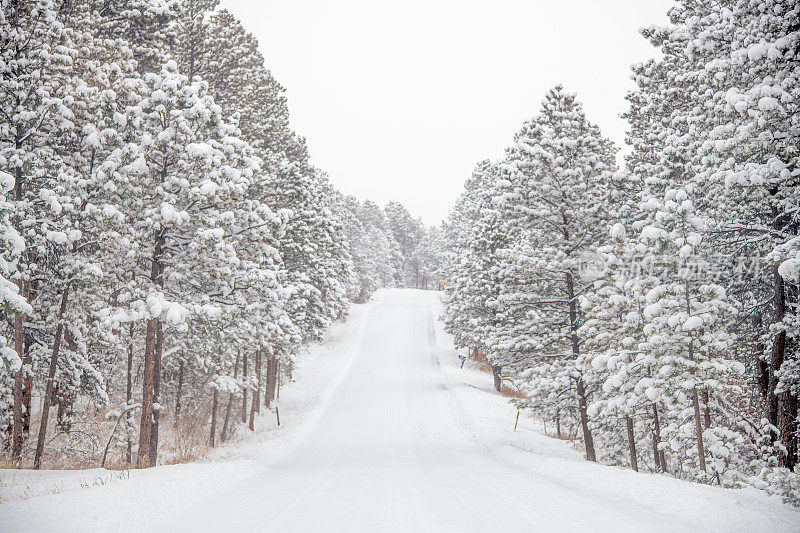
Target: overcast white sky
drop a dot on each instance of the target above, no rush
(400, 99)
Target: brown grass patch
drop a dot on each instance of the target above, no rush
(485, 366)
(510, 392)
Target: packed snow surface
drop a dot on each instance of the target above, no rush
(384, 432)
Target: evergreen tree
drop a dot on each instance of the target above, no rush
(37, 57)
(560, 180)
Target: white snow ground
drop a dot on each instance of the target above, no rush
(383, 432)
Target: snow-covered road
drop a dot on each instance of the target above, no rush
(407, 441)
(393, 451)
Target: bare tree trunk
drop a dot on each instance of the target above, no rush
(268, 384)
(782, 409)
(178, 392)
(65, 402)
(153, 456)
(277, 379)
(706, 409)
(498, 378)
(51, 376)
(19, 377)
(256, 395)
(257, 392)
(558, 423)
(788, 428)
(27, 390)
(658, 455)
(631, 443)
(244, 389)
(588, 440)
(224, 435)
(152, 349)
(701, 452)
(143, 458)
(272, 374)
(215, 397)
(129, 391)
(65, 399)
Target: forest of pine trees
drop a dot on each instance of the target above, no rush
(651, 311)
(167, 246)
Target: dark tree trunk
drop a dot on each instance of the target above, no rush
(498, 378)
(129, 391)
(706, 409)
(18, 408)
(27, 391)
(212, 437)
(178, 392)
(224, 435)
(588, 440)
(631, 443)
(152, 351)
(788, 428)
(781, 408)
(277, 379)
(256, 393)
(272, 374)
(244, 389)
(778, 347)
(143, 458)
(658, 455)
(558, 423)
(51, 376)
(153, 455)
(701, 452)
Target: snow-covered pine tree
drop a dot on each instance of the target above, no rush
(363, 252)
(87, 272)
(613, 333)
(382, 239)
(182, 181)
(311, 251)
(557, 194)
(37, 57)
(234, 66)
(685, 329)
(717, 110)
(476, 231)
(214, 45)
(11, 301)
(748, 167)
(407, 232)
(428, 256)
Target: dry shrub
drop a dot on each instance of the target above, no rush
(511, 392)
(187, 440)
(480, 358)
(484, 366)
(82, 446)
